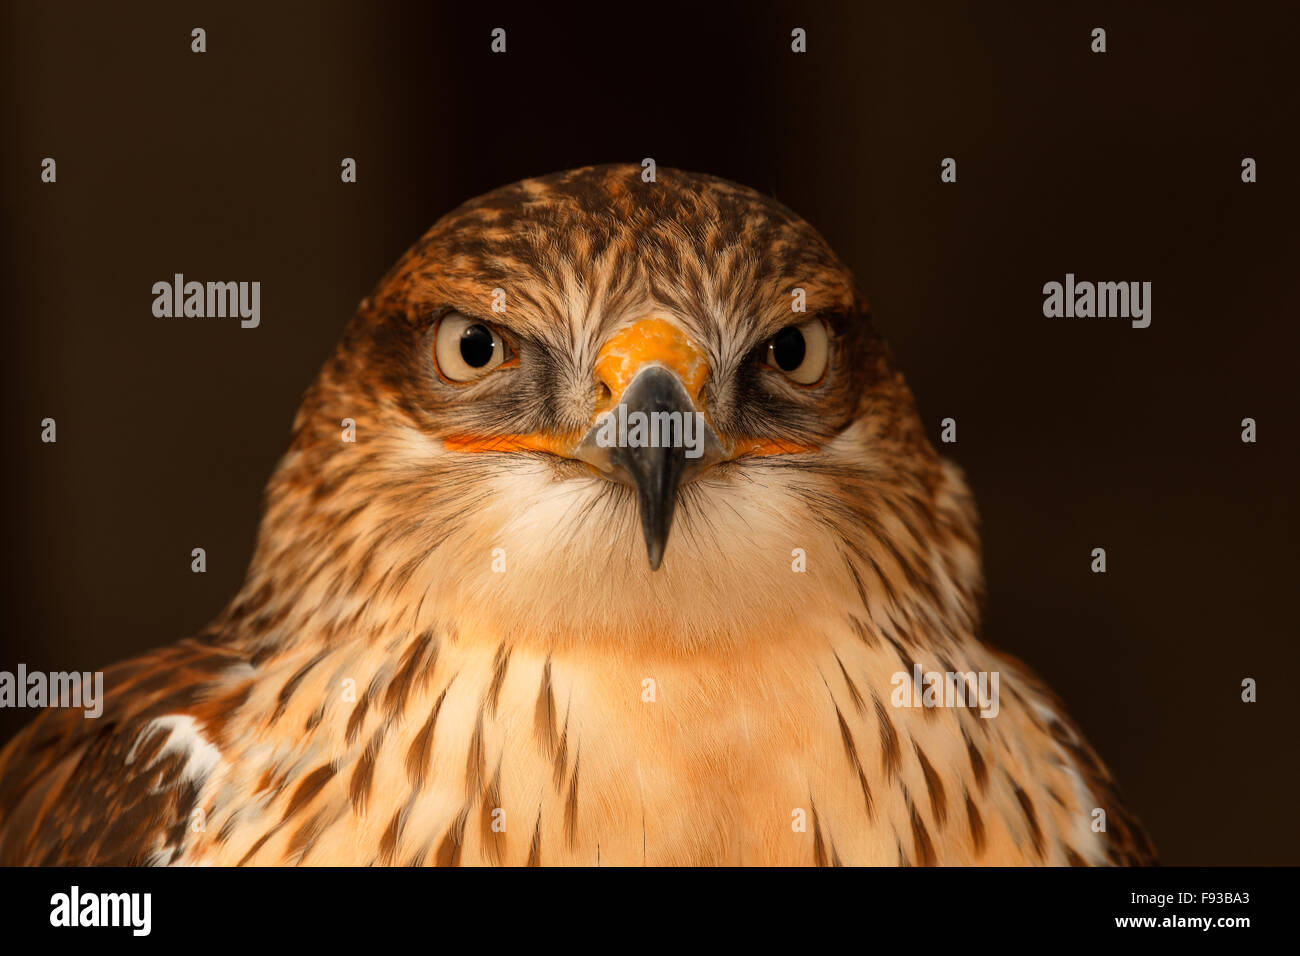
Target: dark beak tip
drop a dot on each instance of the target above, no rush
(655, 556)
(656, 470)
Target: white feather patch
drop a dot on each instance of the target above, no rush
(183, 736)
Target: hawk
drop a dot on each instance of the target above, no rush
(489, 627)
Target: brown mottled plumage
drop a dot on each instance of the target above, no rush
(450, 647)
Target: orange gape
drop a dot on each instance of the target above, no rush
(554, 444)
(769, 446)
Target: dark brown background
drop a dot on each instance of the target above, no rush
(1074, 433)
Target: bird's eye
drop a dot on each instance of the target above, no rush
(800, 352)
(467, 349)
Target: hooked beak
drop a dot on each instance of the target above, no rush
(655, 451)
(653, 435)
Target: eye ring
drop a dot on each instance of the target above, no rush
(800, 352)
(466, 349)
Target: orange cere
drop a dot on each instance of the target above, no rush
(651, 340)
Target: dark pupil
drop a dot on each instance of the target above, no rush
(476, 346)
(788, 348)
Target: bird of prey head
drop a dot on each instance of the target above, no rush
(609, 533)
(478, 374)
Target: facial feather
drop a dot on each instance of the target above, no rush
(578, 256)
